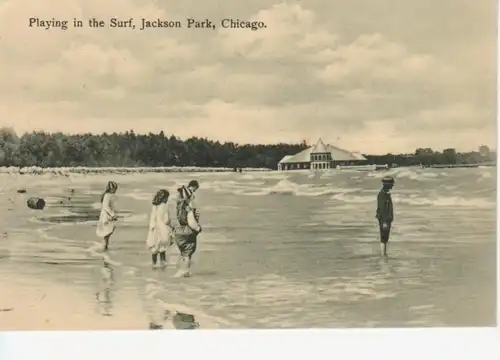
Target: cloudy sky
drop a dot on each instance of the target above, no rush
(374, 76)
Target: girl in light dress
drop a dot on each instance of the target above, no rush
(159, 235)
(107, 218)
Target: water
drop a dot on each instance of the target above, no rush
(279, 250)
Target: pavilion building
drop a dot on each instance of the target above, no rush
(320, 157)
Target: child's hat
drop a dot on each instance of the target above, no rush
(388, 180)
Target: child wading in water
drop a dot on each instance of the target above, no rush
(159, 235)
(186, 227)
(107, 218)
(385, 213)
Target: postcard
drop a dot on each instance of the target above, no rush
(247, 165)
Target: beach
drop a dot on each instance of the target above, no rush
(278, 250)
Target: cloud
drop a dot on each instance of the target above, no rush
(303, 76)
(374, 58)
(292, 35)
(63, 61)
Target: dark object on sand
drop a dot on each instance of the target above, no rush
(35, 203)
(183, 321)
(21, 191)
(153, 326)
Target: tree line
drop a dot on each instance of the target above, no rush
(130, 149)
(428, 157)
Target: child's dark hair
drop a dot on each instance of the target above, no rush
(194, 183)
(111, 185)
(161, 197)
(185, 193)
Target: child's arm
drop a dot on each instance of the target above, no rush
(383, 211)
(390, 210)
(167, 219)
(380, 204)
(108, 206)
(192, 222)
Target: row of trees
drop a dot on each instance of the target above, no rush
(429, 157)
(130, 149)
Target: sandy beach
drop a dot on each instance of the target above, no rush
(279, 250)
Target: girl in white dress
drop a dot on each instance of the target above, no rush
(159, 234)
(107, 219)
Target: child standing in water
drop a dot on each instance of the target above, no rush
(107, 218)
(385, 213)
(186, 228)
(159, 235)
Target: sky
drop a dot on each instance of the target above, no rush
(374, 76)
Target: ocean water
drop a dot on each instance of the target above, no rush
(279, 250)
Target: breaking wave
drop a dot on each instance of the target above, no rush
(415, 200)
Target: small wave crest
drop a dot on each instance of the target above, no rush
(445, 201)
(138, 196)
(410, 174)
(142, 219)
(287, 187)
(356, 199)
(439, 201)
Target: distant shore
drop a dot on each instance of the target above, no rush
(89, 170)
(36, 170)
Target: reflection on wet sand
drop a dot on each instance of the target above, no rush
(79, 207)
(179, 320)
(105, 297)
(57, 219)
(183, 321)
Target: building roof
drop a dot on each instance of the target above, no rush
(303, 156)
(339, 154)
(336, 153)
(286, 158)
(319, 147)
(359, 156)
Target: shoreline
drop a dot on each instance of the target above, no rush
(83, 170)
(37, 170)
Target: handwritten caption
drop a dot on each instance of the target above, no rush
(143, 24)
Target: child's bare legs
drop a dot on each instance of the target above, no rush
(184, 265)
(383, 249)
(106, 242)
(163, 257)
(154, 258)
(385, 230)
(186, 254)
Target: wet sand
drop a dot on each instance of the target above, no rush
(46, 306)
